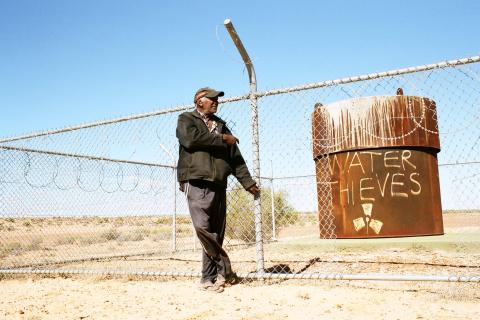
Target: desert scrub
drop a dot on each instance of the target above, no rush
(184, 220)
(91, 240)
(27, 223)
(161, 229)
(16, 247)
(136, 235)
(10, 248)
(119, 221)
(35, 243)
(241, 219)
(110, 235)
(101, 220)
(184, 230)
(65, 240)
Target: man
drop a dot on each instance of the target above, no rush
(208, 154)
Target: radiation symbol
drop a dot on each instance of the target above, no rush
(367, 221)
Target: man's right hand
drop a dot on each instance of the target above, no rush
(255, 190)
(230, 139)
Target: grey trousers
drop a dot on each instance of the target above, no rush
(207, 205)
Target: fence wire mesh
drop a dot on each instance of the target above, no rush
(104, 198)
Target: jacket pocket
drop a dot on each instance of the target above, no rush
(200, 165)
(223, 170)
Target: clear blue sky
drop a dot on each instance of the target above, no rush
(70, 62)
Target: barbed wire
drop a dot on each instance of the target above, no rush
(78, 171)
(90, 170)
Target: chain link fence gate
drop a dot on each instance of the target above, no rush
(102, 198)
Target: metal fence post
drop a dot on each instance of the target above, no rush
(174, 224)
(272, 196)
(174, 215)
(255, 141)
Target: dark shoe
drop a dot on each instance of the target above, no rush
(217, 287)
(210, 286)
(231, 279)
(220, 280)
(205, 285)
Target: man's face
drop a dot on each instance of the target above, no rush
(208, 106)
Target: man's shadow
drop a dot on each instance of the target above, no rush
(279, 269)
(276, 269)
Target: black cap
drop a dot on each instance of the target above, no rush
(207, 92)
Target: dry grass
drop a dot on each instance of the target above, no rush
(145, 243)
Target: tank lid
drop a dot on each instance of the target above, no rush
(375, 122)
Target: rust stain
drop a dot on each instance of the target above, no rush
(382, 166)
(372, 122)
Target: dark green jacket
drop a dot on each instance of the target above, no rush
(203, 155)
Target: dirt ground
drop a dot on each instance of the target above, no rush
(64, 296)
(94, 298)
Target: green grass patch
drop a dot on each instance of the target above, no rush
(469, 242)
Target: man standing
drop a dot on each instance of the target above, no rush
(208, 154)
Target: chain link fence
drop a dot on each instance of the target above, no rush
(103, 197)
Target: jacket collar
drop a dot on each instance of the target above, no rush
(197, 114)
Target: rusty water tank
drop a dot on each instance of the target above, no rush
(376, 159)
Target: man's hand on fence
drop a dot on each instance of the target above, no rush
(230, 139)
(255, 190)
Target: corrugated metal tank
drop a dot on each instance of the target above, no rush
(382, 165)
